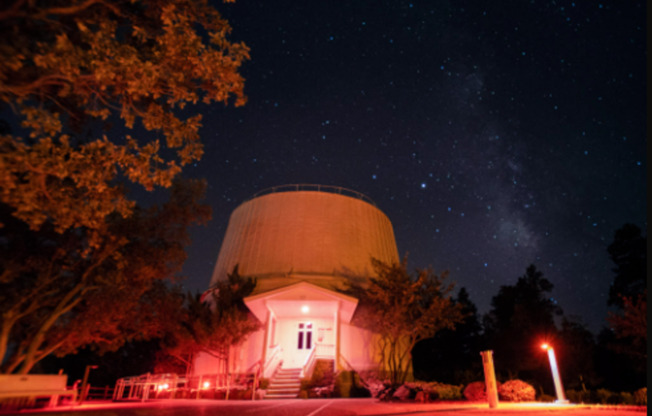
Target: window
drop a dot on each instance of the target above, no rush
(304, 340)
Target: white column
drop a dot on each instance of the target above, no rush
(336, 333)
(268, 322)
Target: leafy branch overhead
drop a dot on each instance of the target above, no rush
(74, 67)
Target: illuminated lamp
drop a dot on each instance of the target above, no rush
(163, 386)
(305, 309)
(206, 384)
(555, 373)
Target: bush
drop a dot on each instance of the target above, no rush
(348, 384)
(446, 391)
(626, 398)
(375, 385)
(602, 396)
(516, 391)
(640, 397)
(430, 391)
(546, 398)
(578, 396)
(263, 383)
(343, 383)
(476, 391)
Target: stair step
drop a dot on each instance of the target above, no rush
(280, 396)
(285, 385)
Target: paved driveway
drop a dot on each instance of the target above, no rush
(330, 407)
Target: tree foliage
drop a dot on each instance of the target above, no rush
(212, 323)
(58, 294)
(403, 309)
(628, 252)
(521, 316)
(629, 294)
(451, 356)
(73, 67)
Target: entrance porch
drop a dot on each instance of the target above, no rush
(302, 323)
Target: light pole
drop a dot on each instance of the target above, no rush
(559, 389)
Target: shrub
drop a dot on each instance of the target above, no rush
(578, 396)
(476, 391)
(348, 384)
(343, 382)
(602, 396)
(263, 383)
(546, 398)
(323, 374)
(626, 398)
(516, 391)
(640, 397)
(446, 391)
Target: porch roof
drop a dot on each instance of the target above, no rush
(301, 300)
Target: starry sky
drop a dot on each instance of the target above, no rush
(493, 135)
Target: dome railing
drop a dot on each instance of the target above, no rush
(314, 187)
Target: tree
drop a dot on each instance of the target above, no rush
(452, 355)
(521, 316)
(211, 324)
(57, 294)
(402, 310)
(577, 353)
(628, 252)
(73, 67)
(626, 337)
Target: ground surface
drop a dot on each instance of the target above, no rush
(329, 407)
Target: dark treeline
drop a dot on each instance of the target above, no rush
(524, 314)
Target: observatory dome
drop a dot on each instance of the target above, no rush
(311, 233)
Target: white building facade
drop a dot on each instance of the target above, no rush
(302, 243)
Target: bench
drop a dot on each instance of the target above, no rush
(35, 386)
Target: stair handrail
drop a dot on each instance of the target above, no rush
(273, 358)
(309, 364)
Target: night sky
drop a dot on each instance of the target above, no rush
(494, 135)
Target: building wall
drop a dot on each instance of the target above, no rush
(310, 236)
(313, 236)
(359, 347)
(241, 357)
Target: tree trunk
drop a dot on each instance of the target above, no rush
(65, 305)
(7, 324)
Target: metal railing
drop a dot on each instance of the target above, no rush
(314, 187)
(273, 362)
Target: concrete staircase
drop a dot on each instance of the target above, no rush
(285, 385)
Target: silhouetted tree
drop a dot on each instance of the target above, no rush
(452, 355)
(521, 317)
(60, 292)
(210, 324)
(628, 252)
(625, 341)
(577, 355)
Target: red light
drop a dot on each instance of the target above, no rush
(545, 346)
(206, 384)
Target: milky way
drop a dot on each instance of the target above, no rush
(492, 135)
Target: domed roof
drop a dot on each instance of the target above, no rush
(311, 233)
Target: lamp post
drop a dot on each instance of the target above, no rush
(555, 374)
